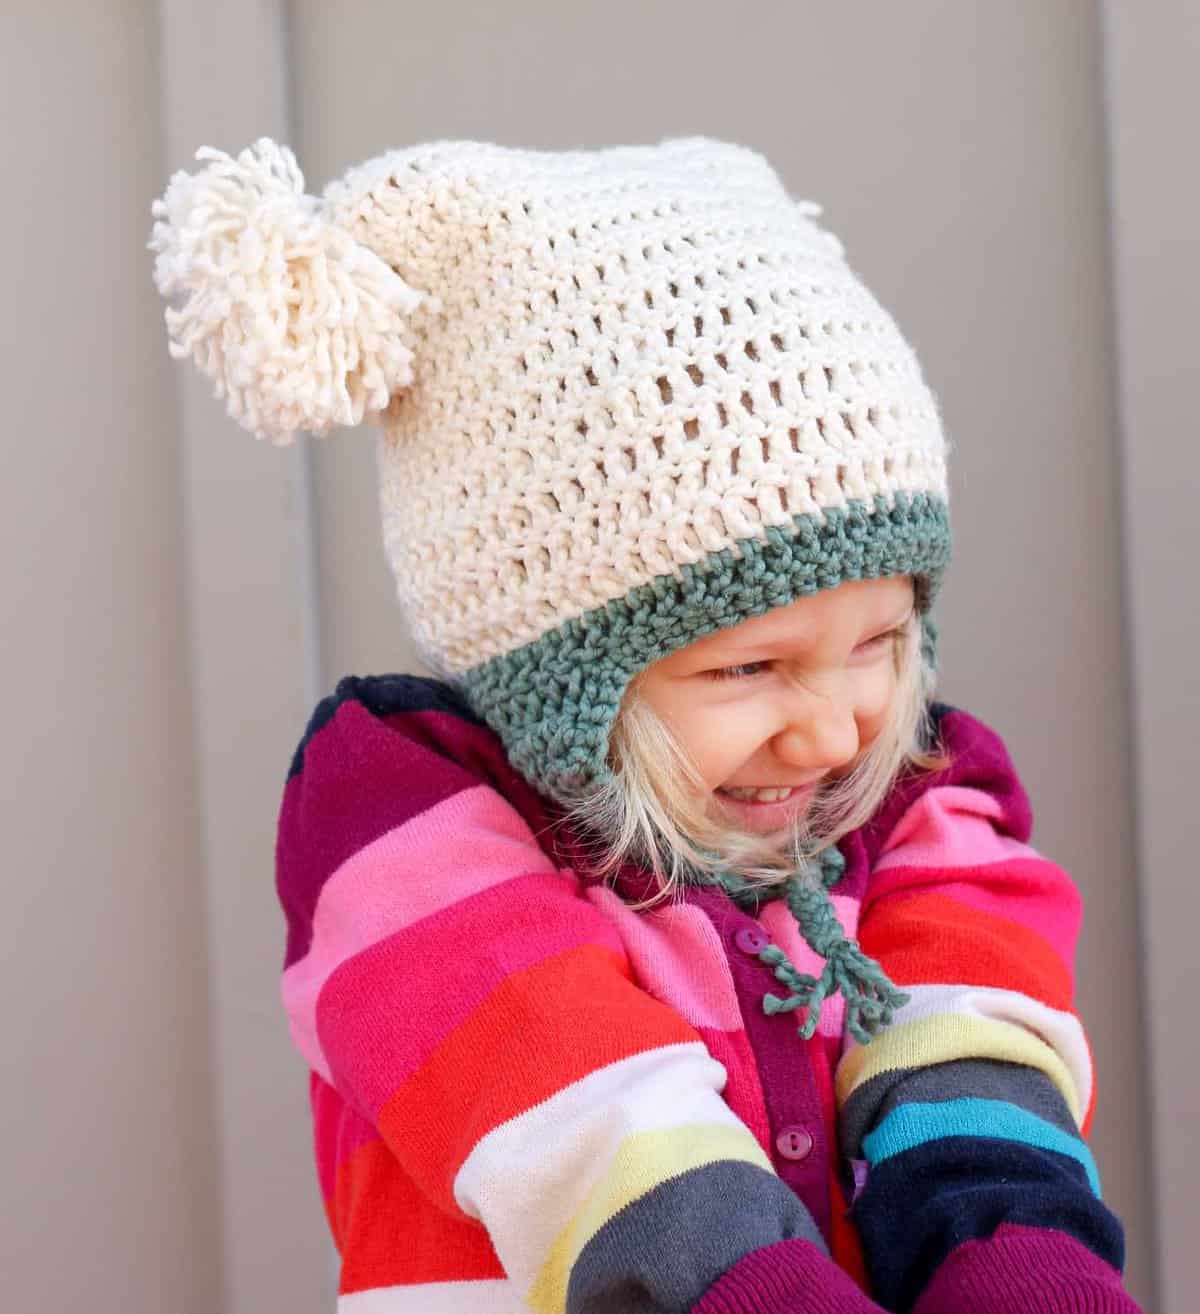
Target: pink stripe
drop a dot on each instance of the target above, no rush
(780, 925)
(950, 826)
(948, 834)
(467, 843)
(677, 957)
(382, 1013)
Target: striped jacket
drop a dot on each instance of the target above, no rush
(526, 1096)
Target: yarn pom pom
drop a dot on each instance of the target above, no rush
(298, 324)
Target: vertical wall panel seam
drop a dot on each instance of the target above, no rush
(167, 106)
(1131, 647)
(194, 411)
(303, 479)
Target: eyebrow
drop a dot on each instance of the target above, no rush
(762, 646)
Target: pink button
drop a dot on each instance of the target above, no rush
(750, 939)
(794, 1143)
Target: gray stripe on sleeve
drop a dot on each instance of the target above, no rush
(663, 1251)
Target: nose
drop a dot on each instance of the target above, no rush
(820, 733)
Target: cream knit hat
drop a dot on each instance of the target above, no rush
(628, 397)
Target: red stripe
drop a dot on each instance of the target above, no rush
(539, 1031)
(393, 1235)
(845, 1244)
(1031, 891)
(929, 939)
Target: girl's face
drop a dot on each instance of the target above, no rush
(784, 700)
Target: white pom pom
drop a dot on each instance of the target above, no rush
(298, 325)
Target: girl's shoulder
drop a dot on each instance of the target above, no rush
(371, 710)
(384, 696)
(417, 732)
(975, 758)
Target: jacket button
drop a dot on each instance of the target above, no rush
(794, 1143)
(750, 939)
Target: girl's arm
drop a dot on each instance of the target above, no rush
(455, 989)
(970, 1113)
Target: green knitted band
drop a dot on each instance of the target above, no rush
(553, 702)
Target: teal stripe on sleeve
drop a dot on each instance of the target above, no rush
(911, 1125)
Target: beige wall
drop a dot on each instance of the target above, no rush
(109, 1198)
(1156, 267)
(175, 596)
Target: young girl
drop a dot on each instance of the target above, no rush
(672, 950)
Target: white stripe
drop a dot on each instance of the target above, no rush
(526, 1179)
(1060, 1031)
(493, 1296)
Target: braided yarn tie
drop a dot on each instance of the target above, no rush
(871, 998)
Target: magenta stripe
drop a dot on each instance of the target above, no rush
(1025, 1268)
(790, 1275)
(445, 967)
(326, 1121)
(338, 1132)
(362, 777)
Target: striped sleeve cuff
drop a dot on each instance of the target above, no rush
(791, 1277)
(1031, 1269)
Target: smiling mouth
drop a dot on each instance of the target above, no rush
(764, 793)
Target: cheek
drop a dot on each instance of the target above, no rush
(875, 703)
(721, 741)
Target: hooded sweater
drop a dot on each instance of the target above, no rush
(526, 1095)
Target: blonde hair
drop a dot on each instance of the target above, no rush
(651, 809)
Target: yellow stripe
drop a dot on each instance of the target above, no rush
(642, 1162)
(948, 1036)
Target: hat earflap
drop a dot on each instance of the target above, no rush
(299, 325)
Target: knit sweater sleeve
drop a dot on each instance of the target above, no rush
(969, 1115)
(464, 997)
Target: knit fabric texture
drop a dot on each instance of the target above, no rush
(628, 396)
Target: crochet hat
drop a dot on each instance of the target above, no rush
(627, 397)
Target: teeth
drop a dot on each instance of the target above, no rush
(773, 795)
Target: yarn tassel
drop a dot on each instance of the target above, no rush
(871, 998)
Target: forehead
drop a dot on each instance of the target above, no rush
(833, 613)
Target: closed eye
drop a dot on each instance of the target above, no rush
(748, 670)
(743, 672)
